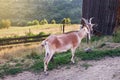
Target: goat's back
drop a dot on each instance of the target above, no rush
(63, 42)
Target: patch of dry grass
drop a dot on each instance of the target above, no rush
(48, 28)
(22, 50)
(19, 51)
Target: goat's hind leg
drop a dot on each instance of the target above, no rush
(73, 54)
(46, 62)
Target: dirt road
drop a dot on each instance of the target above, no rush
(105, 69)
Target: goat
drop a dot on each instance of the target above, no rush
(66, 41)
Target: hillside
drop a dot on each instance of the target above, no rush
(21, 11)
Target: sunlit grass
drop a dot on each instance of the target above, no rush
(21, 50)
(47, 28)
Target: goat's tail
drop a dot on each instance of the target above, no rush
(44, 43)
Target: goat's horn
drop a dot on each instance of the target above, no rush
(90, 19)
(85, 21)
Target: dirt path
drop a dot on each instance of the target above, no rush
(105, 69)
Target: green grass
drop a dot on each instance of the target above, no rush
(6, 69)
(62, 59)
(59, 60)
(94, 38)
(97, 55)
(116, 37)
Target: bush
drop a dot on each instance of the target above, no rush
(29, 23)
(41, 33)
(66, 21)
(44, 21)
(53, 22)
(5, 24)
(34, 22)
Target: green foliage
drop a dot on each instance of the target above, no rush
(34, 22)
(41, 33)
(66, 21)
(5, 23)
(29, 23)
(53, 21)
(116, 37)
(39, 9)
(44, 21)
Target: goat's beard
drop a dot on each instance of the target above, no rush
(88, 37)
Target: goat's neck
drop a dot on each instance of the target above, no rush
(82, 34)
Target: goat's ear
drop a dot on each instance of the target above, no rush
(84, 21)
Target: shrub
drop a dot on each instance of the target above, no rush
(29, 23)
(44, 21)
(34, 22)
(5, 23)
(53, 22)
(41, 33)
(66, 21)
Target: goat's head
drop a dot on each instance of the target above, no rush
(88, 24)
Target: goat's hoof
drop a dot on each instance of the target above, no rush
(46, 73)
(72, 63)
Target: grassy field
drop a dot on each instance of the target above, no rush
(21, 50)
(48, 28)
(17, 58)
